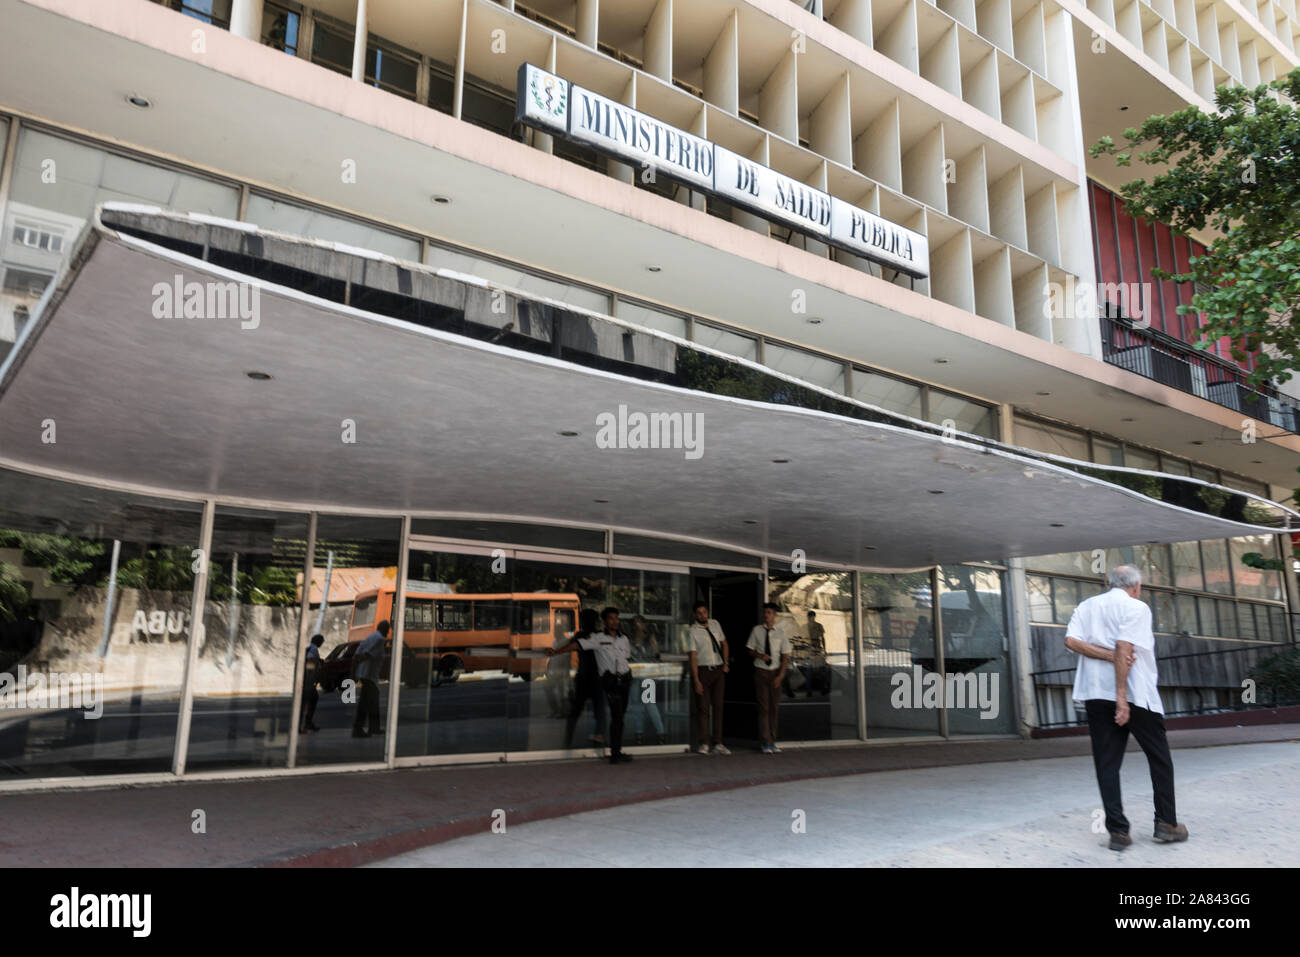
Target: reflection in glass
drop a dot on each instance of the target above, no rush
(95, 602)
(244, 670)
(976, 651)
(898, 650)
(351, 590)
(819, 692)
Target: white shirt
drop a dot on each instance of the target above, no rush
(1104, 620)
(611, 652)
(705, 656)
(781, 645)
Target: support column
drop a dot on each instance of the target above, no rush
(246, 19)
(1022, 660)
(359, 44)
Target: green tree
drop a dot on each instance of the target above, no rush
(1236, 173)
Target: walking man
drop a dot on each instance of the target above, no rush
(368, 661)
(310, 676)
(770, 647)
(1116, 682)
(708, 646)
(611, 649)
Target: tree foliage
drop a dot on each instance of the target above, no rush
(1236, 173)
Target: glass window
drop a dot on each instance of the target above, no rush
(1218, 577)
(645, 546)
(1154, 563)
(818, 370)
(1066, 563)
(454, 616)
(391, 71)
(508, 276)
(886, 392)
(332, 48)
(419, 614)
(1255, 582)
(315, 224)
(513, 533)
(244, 674)
(1136, 458)
(363, 611)
(968, 416)
(487, 106)
(1065, 598)
(1187, 566)
(216, 12)
(495, 615)
(651, 318)
(1042, 437)
(1187, 621)
(95, 598)
(898, 651)
(1166, 614)
(1236, 621)
(1040, 599)
(1105, 452)
(724, 341)
(280, 28)
(1209, 618)
(442, 87)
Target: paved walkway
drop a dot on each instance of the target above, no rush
(1238, 802)
(357, 818)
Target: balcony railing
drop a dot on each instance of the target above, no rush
(1172, 362)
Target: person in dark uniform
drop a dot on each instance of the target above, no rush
(587, 683)
(310, 675)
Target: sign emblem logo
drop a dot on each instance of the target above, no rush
(550, 94)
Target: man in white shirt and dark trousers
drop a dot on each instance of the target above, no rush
(708, 646)
(1116, 682)
(770, 647)
(611, 649)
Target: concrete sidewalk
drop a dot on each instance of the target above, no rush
(356, 818)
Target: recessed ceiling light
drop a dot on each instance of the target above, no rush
(750, 521)
(601, 501)
(1197, 442)
(440, 200)
(868, 548)
(654, 268)
(259, 376)
(1123, 108)
(1042, 393)
(941, 362)
(1256, 461)
(936, 491)
(780, 461)
(135, 99)
(567, 433)
(1127, 419)
(1058, 525)
(814, 320)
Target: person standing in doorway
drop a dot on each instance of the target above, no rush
(367, 663)
(587, 683)
(770, 647)
(709, 668)
(1116, 683)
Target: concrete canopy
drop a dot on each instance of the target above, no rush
(366, 412)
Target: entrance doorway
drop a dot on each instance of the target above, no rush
(735, 600)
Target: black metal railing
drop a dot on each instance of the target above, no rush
(1172, 362)
(1217, 679)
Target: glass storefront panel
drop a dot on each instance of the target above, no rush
(244, 671)
(493, 271)
(352, 586)
(819, 691)
(724, 341)
(1066, 563)
(898, 651)
(655, 615)
(1040, 598)
(513, 533)
(95, 603)
(976, 651)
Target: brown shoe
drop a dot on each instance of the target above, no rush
(1119, 841)
(1170, 834)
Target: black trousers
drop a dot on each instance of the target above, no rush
(367, 707)
(617, 689)
(1108, 743)
(310, 697)
(583, 689)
